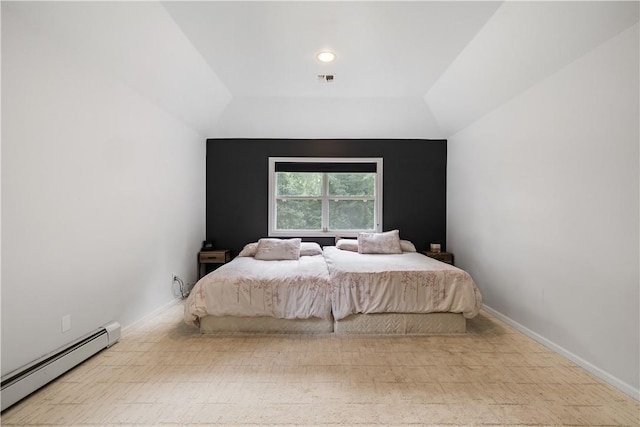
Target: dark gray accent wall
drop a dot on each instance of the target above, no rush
(414, 186)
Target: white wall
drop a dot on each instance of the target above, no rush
(271, 117)
(543, 209)
(102, 196)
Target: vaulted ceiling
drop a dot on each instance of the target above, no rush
(384, 49)
(432, 67)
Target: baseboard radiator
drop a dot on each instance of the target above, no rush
(24, 381)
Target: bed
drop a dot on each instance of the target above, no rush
(398, 293)
(283, 291)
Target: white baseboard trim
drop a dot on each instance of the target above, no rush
(603, 375)
(151, 315)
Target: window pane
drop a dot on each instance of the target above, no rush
(299, 214)
(352, 184)
(298, 183)
(351, 214)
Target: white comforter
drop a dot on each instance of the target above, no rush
(401, 283)
(248, 287)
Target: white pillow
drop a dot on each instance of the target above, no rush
(278, 249)
(407, 246)
(249, 249)
(347, 245)
(310, 249)
(379, 243)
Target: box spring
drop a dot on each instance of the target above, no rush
(402, 324)
(269, 325)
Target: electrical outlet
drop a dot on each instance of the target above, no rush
(66, 323)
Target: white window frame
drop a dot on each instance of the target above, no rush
(274, 232)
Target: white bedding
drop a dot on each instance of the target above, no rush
(398, 283)
(247, 287)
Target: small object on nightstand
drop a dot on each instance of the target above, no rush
(216, 256)
(440, 256)
(435, 247)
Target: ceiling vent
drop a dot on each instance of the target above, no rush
(325, 78)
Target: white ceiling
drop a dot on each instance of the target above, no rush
(384, 49)
(416, 69)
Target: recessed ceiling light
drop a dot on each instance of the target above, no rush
(326, 56)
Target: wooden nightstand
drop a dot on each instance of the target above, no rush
(440, 256)
(218, 256)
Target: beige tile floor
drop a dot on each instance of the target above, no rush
(164, 373)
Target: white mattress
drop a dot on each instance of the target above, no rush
(398, 283)
(246, 287)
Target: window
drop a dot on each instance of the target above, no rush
(324, 196)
